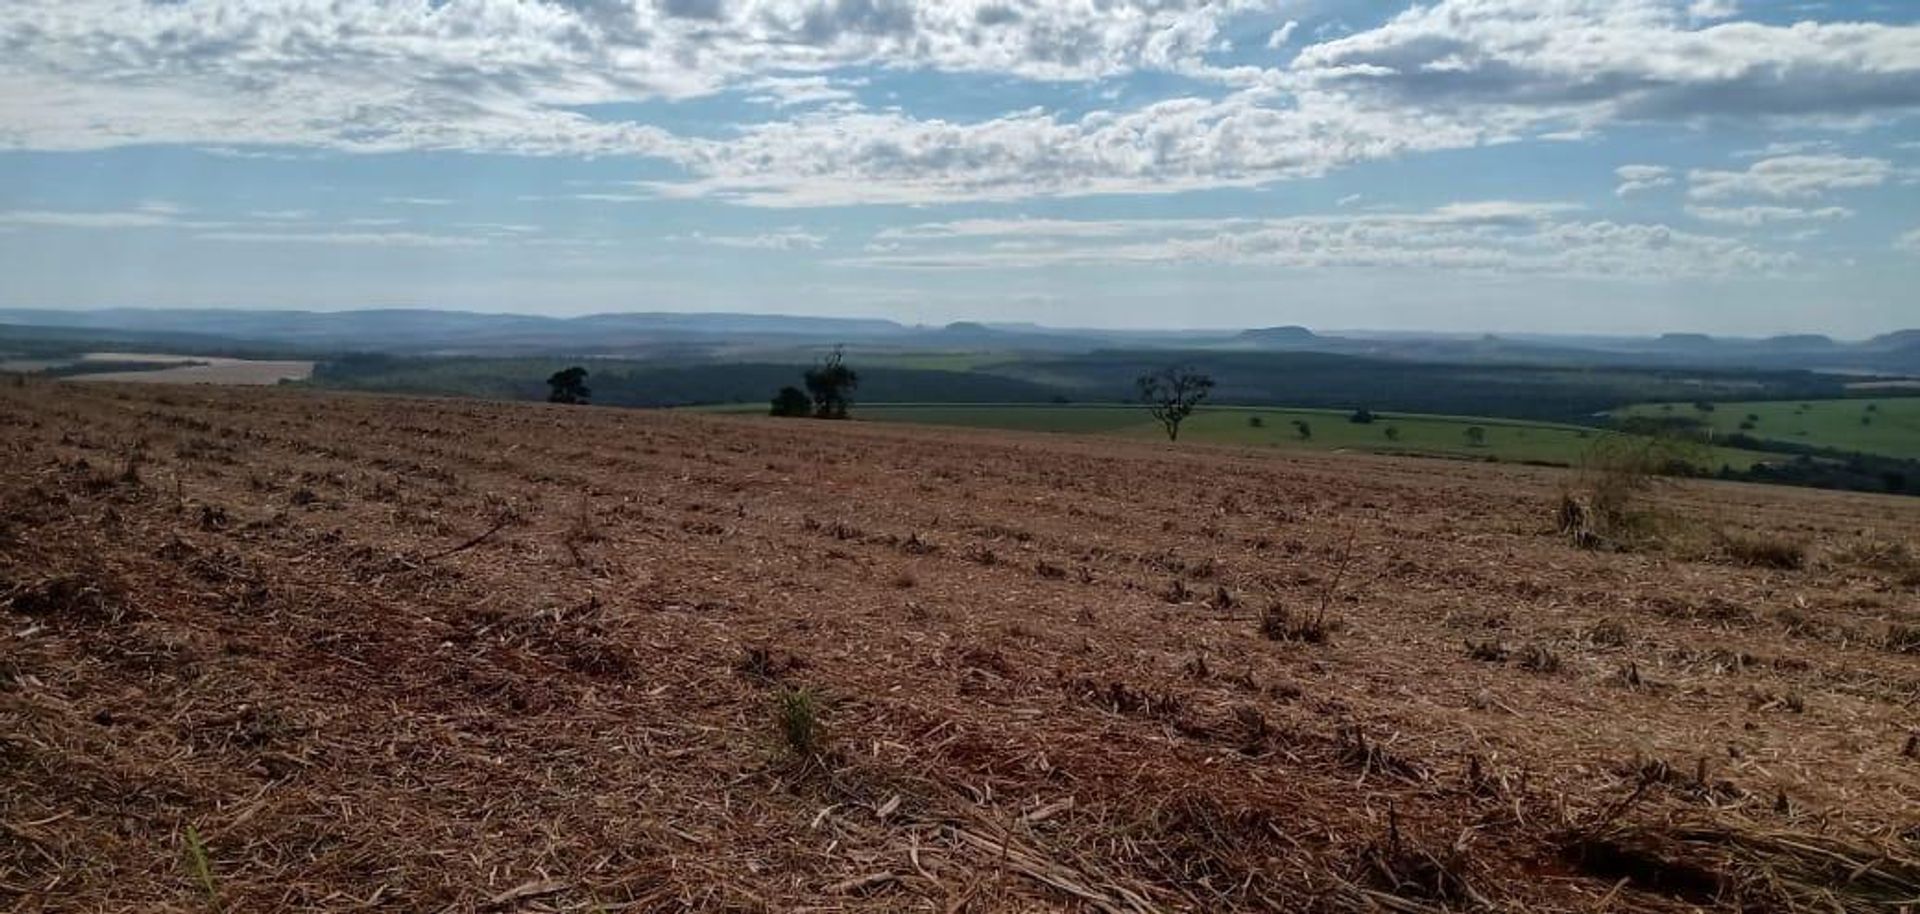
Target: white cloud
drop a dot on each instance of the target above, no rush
(417, 201)
(380, 239)
(86, 220)
(1636, 178)
(788, 91)
(1495, 237)
(258, 77)
(1594, 61)
(1788, 148)
(1908, 241)
(1182, 144)
(790, 239)
(1790, 177)
(1703, 10)
(1755, 216)
(1282, 35)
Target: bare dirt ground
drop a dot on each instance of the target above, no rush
(270, 650)
(210, 370)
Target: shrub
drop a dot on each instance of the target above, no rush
(568, 385)
(1605, 505)
(792, 402)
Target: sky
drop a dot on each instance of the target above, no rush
(1738, 167)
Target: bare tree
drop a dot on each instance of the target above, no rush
(1171, 394)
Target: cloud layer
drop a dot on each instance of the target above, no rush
(1482, 237)
(535, 78)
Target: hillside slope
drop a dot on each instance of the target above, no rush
(452, 655)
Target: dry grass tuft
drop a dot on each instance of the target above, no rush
(1743, 864)
(1758, 550)
(1606, 507)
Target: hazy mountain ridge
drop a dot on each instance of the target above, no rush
(700, 335)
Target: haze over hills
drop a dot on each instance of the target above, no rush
(419, 331)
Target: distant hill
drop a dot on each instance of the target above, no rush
(1290, 336)
(700, 337)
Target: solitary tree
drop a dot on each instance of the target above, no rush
(1361, 416)
(1392, 433)
(1171, 394)
(831, 384)
(1476, 436)
(1301, 428)
(568, 385)
(791, 401)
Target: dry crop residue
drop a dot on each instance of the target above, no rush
(272, 650)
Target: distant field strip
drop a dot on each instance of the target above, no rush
(1881, 425)
(1420, 434)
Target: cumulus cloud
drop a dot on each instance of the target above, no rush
(1181, 144)
(1594, 61)
(1790, 177)
(1636, 178)
(1492, 237)
(1282, 35)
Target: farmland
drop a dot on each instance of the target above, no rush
(1417, 434)
(161, 368)
(270, 649)
(1889, 426)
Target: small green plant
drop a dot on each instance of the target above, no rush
(202, 868)
(798, 713)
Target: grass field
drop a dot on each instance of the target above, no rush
(1887, 425)
(1431, 435)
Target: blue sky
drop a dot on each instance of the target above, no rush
(1728, 166)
